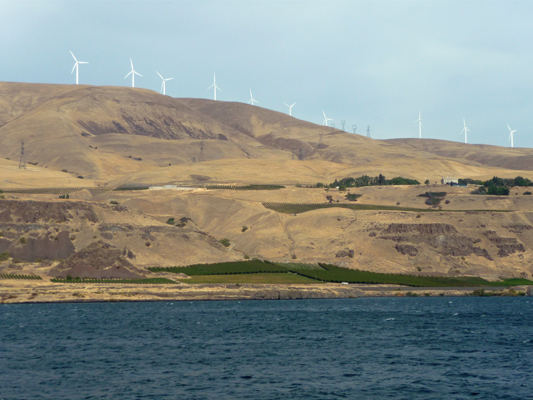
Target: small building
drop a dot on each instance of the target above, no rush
(450, 181)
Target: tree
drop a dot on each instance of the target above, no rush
(426, 182)
(382, 180)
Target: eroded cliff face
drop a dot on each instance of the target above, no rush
(442, 237)
(99, 239)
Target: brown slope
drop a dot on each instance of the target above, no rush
(494, 156)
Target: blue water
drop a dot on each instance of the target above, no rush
(369, 348)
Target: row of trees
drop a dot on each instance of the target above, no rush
(366, 180)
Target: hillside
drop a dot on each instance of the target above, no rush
(123, 134)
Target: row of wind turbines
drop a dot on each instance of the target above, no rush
(465, 129)
(253, 101)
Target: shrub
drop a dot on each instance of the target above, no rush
(64, 170)
(23, 240)
(4, 256)
(527, 193)
(225, 242)
(114, 202)
(80, 177)
(170, 221)
(148, 244)
(426, 182)
(244, 228)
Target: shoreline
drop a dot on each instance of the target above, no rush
(19, 292)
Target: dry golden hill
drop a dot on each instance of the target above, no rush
(120, 134)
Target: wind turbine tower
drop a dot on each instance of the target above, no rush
(76, 66)
(163, 84)
(511, 134)
(214, 86)
(290, 108)
(419, 120)
(326, 119)
(252, 100)
(465, 130)
(132, 73)
(368, 131)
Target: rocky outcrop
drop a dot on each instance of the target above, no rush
(345, 253)
(406, 249)
(506, 245)
(34, 211)
(44, 247)
(98, 260)
(443, 237)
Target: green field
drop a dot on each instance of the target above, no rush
(266, 278)
(227, 268)
(298, 208)
(244, 272)
(246, 187)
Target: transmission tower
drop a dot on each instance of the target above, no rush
(354, 127)
(201, 157)
(22, 162)
(368, 131)
(342, 123)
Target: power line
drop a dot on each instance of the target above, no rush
(22, 162)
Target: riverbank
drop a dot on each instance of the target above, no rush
(49, 292)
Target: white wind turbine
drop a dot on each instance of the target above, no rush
(326, 119)
(163, 84)
(252, 100)
(132, 72)
(214, 85)
(465, 130)
(511, 134)
(290, 107)
(419, 120)
(76, 66)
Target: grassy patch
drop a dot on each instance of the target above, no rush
(267, 278)
(246, 187)
(298, 208)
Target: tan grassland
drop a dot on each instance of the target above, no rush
(115, 136)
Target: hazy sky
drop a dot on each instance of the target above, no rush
(371, 63)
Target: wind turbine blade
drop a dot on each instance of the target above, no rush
(135, 72)
(74, 67)
(159, 75)
(73, 56)
(128, 74)
(324, 113)
(131, 62)
(169, 79)
(210, 86)
(292, 105)
(83, 62)
(287, 105)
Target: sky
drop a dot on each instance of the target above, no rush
(370, 64)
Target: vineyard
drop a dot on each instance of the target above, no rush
(226, 268)
(10, 276)
(148, 281)
(328, 273)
